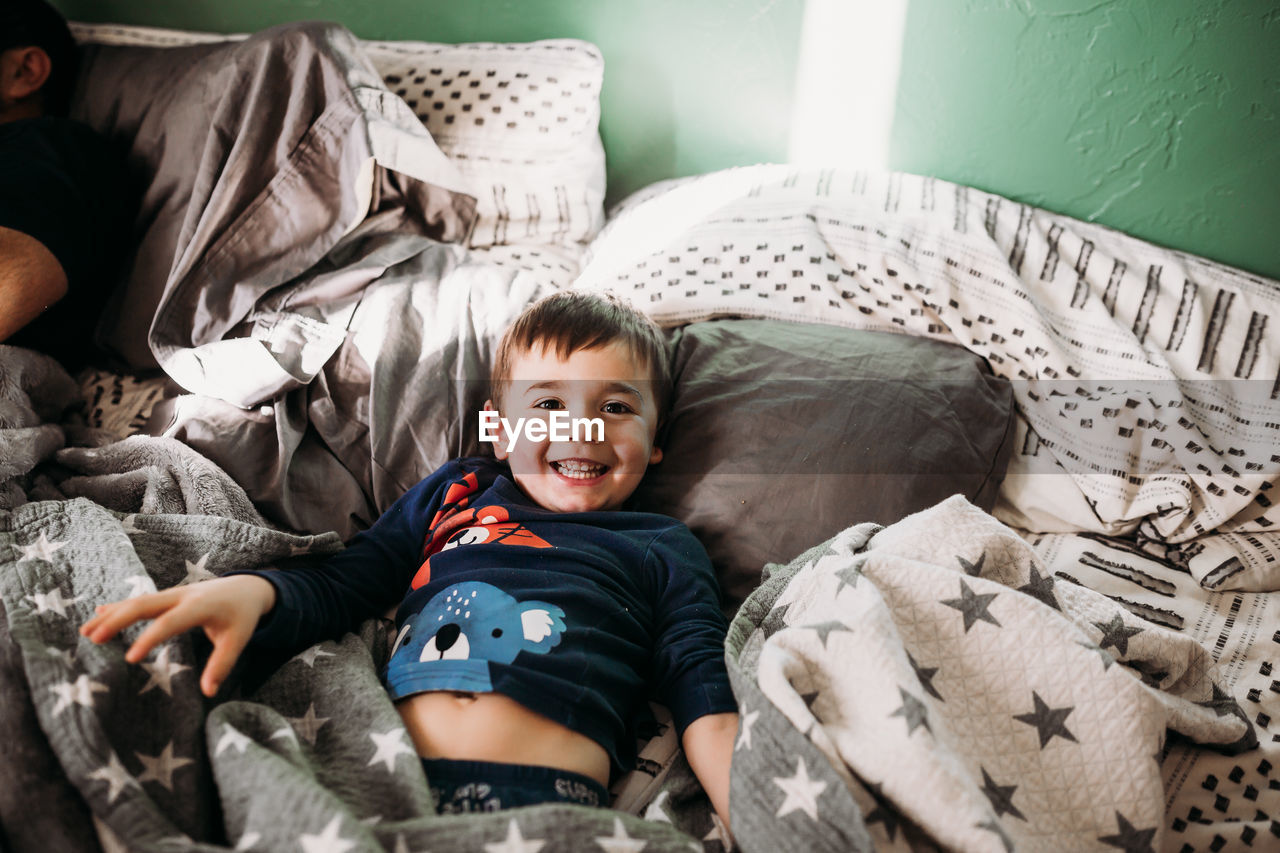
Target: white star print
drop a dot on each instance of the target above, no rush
(287, 733)
(744, 736)
(41, 549)
(79, 692)
(196, 571)
(298, 550)
(389, 745)
(328, 841)
(514, 842)
(655, 811)
(51, 601)
(130, 524)
(401, 845)
(67, 656)
(308, 725)
(110, 842)
(232, 738)
(162, 672)
(309, 656)
(620, 841)
(719, 832)
(159, 768)
(802, 792)
(139, 585)
(247, 841)
(116, 777)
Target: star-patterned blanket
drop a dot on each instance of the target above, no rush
(932, 683)
(312, 758)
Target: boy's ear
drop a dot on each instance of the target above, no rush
(24, 71)
(499, 446)
(655, 455)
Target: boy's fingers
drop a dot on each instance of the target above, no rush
(226, 650)
(120, 614)
(101, 614)
(166, 625)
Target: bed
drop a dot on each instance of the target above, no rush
(987, 488)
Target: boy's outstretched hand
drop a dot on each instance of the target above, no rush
(228, 609)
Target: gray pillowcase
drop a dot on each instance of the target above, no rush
(783, 434)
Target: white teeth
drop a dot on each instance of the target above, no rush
(579, 470)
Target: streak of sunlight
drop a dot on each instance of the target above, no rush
(847, 83)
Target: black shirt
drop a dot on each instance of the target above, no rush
(63, 184)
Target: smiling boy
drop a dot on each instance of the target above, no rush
(535, 616)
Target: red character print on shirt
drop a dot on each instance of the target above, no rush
(486, 524)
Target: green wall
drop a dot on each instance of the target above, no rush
(690, 86)
(1157, 117)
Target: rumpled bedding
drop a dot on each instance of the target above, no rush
(302, 272)
(924, 683)
(302, 278)
(398, 399)
(331, 376)
(293, 752)
(328, 372)
(933, 683)
(259, 157)
(1145, 378)
(48, 453)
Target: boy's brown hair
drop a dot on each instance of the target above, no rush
(571, 320)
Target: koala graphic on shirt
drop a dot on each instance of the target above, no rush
(465, 626)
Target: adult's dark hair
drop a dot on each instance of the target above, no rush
(34, 23)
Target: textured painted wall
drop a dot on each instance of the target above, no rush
(689, 86)
(1157, 117)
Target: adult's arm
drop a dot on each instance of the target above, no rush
(31, 280)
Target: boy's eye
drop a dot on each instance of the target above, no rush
(615, 408)
(548, 404)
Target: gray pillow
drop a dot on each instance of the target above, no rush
(783, 434)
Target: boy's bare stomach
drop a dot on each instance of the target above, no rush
(493, 727)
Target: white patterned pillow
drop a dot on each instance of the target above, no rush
(520, 120)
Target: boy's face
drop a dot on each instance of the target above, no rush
(581, 475)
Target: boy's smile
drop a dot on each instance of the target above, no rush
(581, 475)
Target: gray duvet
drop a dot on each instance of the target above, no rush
(300, 272)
